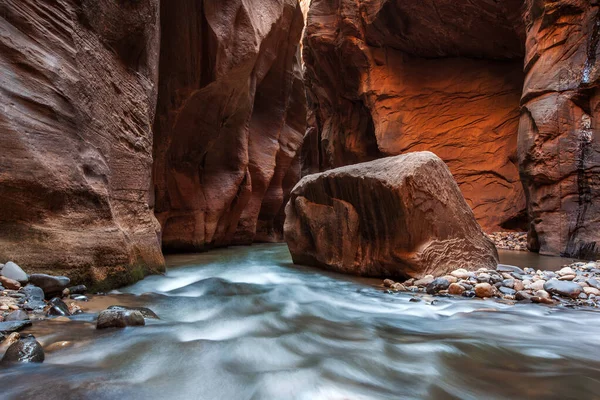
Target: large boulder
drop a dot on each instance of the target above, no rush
(400, 216)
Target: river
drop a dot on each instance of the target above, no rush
(245, 324)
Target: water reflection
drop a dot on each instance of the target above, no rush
(244, 324)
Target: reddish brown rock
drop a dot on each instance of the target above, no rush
(559, 138)
(395, 217)
(231, 117)
(388, 77)
(77, 89)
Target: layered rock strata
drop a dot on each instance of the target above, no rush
(400, 216)
(77, 95)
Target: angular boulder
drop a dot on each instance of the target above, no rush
(400, 216)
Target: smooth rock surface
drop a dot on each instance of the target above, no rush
(146, 312)
(563, 288)
(14, 272)
(400, 216)
(49, 284)
(13, 326)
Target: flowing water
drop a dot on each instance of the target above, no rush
(244, 323)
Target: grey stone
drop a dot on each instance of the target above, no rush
(33, 293)
(563, 288)
(13, 326)
(509, 269)
(18, 315)
(14, 272)
(58, 308)
(146, 312)
(437, 284)
(507, 290)
(50, 284)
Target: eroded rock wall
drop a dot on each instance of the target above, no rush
(230, 120)
(77, 101)
(389, 77)
(559, 150)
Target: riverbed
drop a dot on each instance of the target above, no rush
(245, 323)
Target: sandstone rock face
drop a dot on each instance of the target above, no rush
(387, 77)
(230, 120)
(559, 138)
(77, 95)
(400, 216)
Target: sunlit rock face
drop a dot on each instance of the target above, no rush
(230, 120)
(401, 216)
(386, 77)
(77, 101)
(559, 150)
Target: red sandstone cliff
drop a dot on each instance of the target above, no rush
(77, 100)
(559, 138)
(230, 120)
(389, 77)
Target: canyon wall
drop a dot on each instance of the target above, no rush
(230, 121)
(559, 150)
(389, 77)
(77, 91)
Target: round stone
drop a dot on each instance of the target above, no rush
(484, 290)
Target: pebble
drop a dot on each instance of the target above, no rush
(58, 308)
(509, 269)
(426, 280)
(13, 326)
(461, 273)
(507, 291)
(18, 315)
(388, 283)
(79, 289)
(483, 290)
(538, 285)
(483, 278)
(9, 283)
(591, 290)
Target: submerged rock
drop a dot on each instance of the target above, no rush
(399, 216)
(58, 308)
(18, 315)
(437, 285)
(13, 326)
(118, 318)
(25, 350)
(146, 312)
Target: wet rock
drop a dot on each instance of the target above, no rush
(58, 346)
(9, 283)
(388, 282)
(79, 289)
(13, 326)
(507, 291)
(563, 288)
(79, 297)
(436, 285)
(58, 308)
(12, 338)
(117, 318)
(541, 300)
(591, 290)
(396, 286)
(14, 272)
(461, 273)
(509, 269)
(414, 300)
(483, 278)
(522, 295)
(509, 283)
(542, 293)
(426, 280)
(18, 315)
(484, 290)
(409, 282)
(33, 292)
(456, 289)
(34, 305)
(469, 293)
(582, 296)
(593, 282)
(567, 277)
(518, 285)
(25, 350)
(50, 284)
(537, 285)
(566, 271)
(146, 312)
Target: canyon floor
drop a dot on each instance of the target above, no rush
(245, 323)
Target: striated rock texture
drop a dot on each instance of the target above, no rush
(400, 216)
(559, 138)
(386, 77)
(230, 120)
(77, 95)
